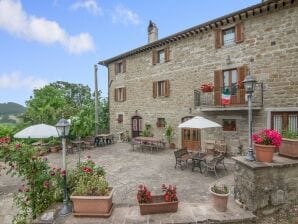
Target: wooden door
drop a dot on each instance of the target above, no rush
(136, 126)
(191, 137)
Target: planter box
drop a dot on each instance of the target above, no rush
(289, 148)
(101, 206)
(158, 205)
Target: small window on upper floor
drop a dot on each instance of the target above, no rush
(120, 94)
(161, 88)
(160, 56)
(120, 67)
(229, 36)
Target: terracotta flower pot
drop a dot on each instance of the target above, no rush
(54, 149)
(264, 153)
(220, 201)
(158, 205)
(172, 146)
(101, 206)
(289, 148)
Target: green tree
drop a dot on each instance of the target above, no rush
(47, 106)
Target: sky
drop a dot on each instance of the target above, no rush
(43, 41)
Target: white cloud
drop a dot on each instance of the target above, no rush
(90, 5)
(17, 22)
(16, 81)
(125, 16)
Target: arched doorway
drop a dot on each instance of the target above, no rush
(191, 137)
(136, 126)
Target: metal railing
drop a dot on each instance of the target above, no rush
(238, 97)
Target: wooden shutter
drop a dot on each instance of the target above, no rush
(116, 95)
(154, 89)
(239, 34)
(154, 56)
(124, 93)
(167, 88)
(167, 54)
(218, 38)
(116, 68)
(218, 83)
(241, 72)
(124, 65)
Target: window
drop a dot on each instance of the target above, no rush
(161, 88)
(230, 81)
(120, 94)
(281, 121)
(161, 55)
(228, 36)
(120, 67)
(161, 122)
(229, 125)
(120, 118)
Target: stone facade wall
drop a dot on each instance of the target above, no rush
(270, 49)
(266, 187)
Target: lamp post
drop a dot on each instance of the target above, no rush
(63, 127)
(249, 84)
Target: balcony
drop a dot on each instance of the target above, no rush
(211, 101)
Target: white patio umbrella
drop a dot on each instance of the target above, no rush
(199, 122)
(38, 131)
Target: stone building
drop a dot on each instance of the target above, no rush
(160, 81)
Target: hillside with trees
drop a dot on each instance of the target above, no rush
(11, 108)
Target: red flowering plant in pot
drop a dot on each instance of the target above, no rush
(207, 87)
(266, 141)
(152, 204)
(90, 191)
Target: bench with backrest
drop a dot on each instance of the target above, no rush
(181, 156)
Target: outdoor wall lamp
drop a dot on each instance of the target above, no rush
(249, 85)
(63, 127)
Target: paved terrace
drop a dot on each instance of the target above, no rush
(126, 169)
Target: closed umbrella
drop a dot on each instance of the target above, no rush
(199, 122)
(38, 131)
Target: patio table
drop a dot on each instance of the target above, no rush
(197, 159)
(149, 142)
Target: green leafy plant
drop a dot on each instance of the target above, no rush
(290, 134)
(88, 179)
(169, 133)
(41, 186)
(220, 189)
(147, 132)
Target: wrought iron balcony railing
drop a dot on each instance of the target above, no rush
(238, 97)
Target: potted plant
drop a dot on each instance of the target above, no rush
(152, 204)
(169, 133)
(220, 195)
(147, 132)
(207, 87)
(54, 145)
(289, 146)
(91, 194)
(266, 142)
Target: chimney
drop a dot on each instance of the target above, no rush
(152, 32)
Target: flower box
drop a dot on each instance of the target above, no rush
(289, 148)
(158, 205)
(205, 88)
(101, 206)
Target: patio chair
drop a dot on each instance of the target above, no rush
(181, 156)
(211, 165)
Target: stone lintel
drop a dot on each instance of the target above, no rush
(278, 161)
